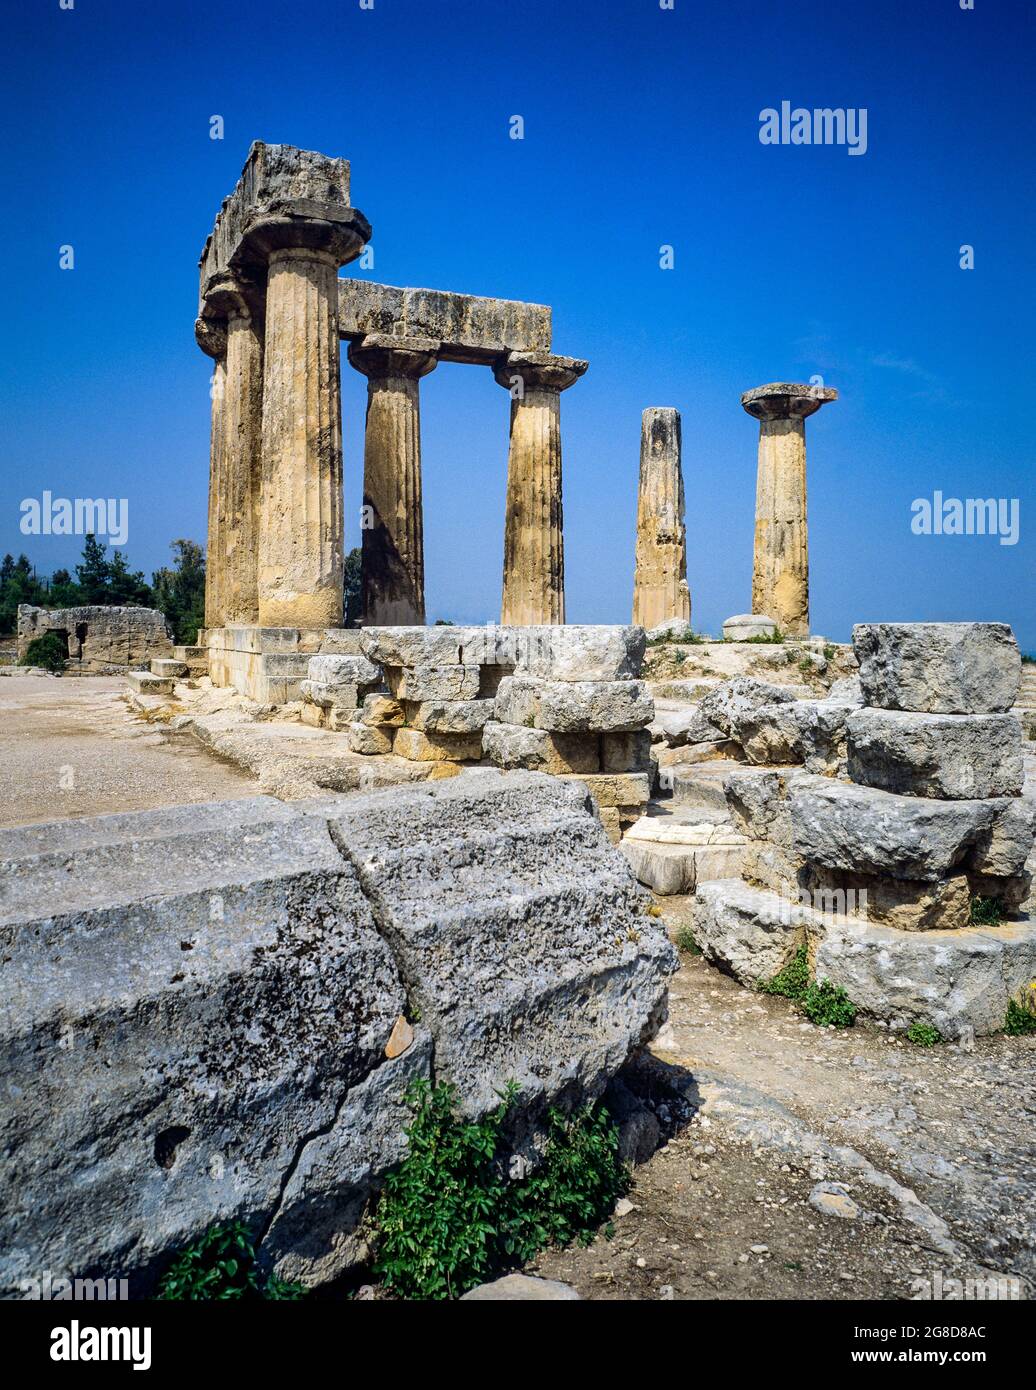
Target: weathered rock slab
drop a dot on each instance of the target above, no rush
(938, 668)
(951, 756)
(864, 830)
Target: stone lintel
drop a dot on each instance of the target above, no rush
(284, 197)
(786, 400)
(468, 328)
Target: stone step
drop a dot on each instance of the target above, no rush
(165, 666)
(673, 847)
(144, 683)
(698, 784)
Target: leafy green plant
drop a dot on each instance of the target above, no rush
(986, 912)
(685, 942)
(48, 651)
(1021, 1014)
(823, 1003)
(793, 981)
(828, 1006)
(829, 652)
(220, 1265)
(924, 1034)
(448, 1218)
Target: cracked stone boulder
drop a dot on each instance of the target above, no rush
(212, 1011)
(811, 732)
(938, 668)
(525, 941)
(734, 700)
(949, 756)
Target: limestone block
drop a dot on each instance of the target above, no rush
(671, 630)
(744, 626)
(368, 738)
(416, 683)
(957, 980)
(313, 715)
(574, 706)
(471, 328)
(750, 932)
(144, 683)
(772, 866)
(942, 905)
(627, 752)
(732, 701)
(328, 696)
(382, 710)
(689, 726)
(847, 691)
(611, 821)
(509, 745)
(437, 748)
(938, 668)
(864, 830)
(726, 750)
(523, 935)
(168, 667)
(174, 951)
(349, 669)
(448, 716)
(808, 731)
(758, 802)
(443, 645)
(671, 856)
(581, 652)
(1001, 850)
(952, 756)
(616, 789)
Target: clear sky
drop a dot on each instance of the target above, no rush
(641, 131)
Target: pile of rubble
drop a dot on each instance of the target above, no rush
(562, 699)
(876, 869)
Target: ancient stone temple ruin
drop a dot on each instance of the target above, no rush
(271, 316)
(100, 639)
(780, 572)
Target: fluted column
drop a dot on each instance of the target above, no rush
(300, 526)
(211, 337)
(660, 581)
(241, 442)
(393, 534)
(780, 571)
(534, 557)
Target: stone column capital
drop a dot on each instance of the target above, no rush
(539, 370)
(387, 355)
(341, 234)
(786, 400)
(211, 336)
(233, 297)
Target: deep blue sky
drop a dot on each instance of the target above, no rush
(641, 129)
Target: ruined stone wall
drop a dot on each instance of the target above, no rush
(99, 637)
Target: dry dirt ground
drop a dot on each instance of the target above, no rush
(69, 746)
(935, 1147)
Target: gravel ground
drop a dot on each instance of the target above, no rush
(935, 1149)
(70, 747)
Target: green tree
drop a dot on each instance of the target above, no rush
(18, 584)
(352, 575)
(180, 591)
(111, 581)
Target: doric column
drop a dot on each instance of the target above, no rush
(534, 557)
(780, 572)
(211, 336)
(660, 582)
(284, 230)
(241, 437)
(300, 527)
(393, 533)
